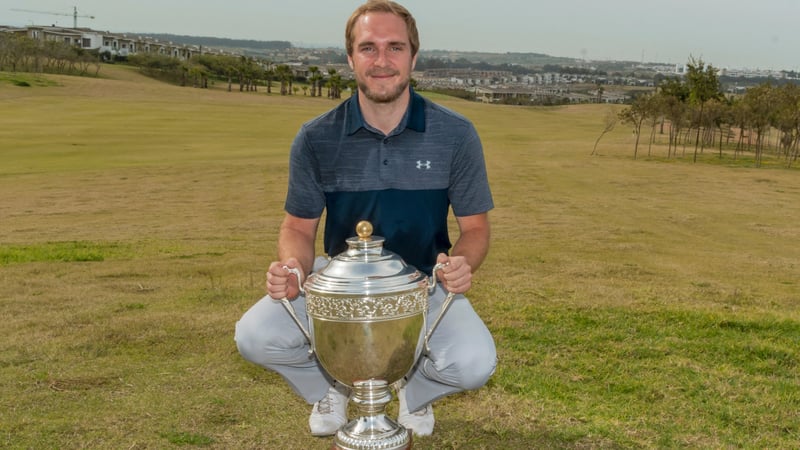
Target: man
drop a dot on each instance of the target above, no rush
(389, 156)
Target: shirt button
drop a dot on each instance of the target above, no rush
(386, 141)
(385, 162)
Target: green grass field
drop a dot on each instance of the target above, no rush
(636, 304)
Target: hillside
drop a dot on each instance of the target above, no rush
(648, 303)
(216, 42)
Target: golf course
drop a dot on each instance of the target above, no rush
(635, 303)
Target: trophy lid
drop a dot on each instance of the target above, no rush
(365, 268)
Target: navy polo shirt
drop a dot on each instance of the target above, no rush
(404, 183)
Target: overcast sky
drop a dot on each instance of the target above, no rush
(761, 34)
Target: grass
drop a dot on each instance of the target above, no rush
(635, 304)
(56, 251)
(24, 80)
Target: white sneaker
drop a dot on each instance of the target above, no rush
(420, 421)
(328, 414)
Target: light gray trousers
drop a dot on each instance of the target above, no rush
(462, 357)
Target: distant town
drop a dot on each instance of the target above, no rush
(488, 77)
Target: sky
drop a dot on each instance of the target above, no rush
(761, 34)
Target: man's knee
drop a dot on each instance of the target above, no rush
(476, 368)
(464, 366)
(251, 345)
(269, 340)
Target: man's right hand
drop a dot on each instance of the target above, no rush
(281, 283)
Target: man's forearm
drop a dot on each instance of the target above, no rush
(474, 249)
(296, 240)
(473, 243)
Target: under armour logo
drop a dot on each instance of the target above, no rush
(424, 165)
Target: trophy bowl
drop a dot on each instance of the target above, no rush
(367, 315)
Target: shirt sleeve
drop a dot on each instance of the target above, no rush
(469, 184)
(304, 197)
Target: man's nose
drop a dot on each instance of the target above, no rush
(382, 57)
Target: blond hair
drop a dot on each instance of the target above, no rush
(382, 6)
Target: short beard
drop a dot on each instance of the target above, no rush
(388, 97)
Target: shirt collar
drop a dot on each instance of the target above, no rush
(414, 117)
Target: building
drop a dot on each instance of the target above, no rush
(115, 45)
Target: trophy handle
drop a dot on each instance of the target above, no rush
(445, 305)
(290, 309)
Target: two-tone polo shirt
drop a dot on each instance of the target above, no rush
(403, 183)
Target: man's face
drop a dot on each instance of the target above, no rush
(381, 59)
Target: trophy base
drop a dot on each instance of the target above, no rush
(372, 430)
(372, 433)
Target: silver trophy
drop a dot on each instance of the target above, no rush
(367, 313)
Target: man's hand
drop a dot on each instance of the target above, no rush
(281, 283)
(456, 275)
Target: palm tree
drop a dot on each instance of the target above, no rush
(314, 78)
(600, 91)
(284, 74)
(331, 82)
(242, 70)
(229, 71)
(269, 74)
(334, 84)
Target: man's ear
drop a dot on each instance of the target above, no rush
(350, 62)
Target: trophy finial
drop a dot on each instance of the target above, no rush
(364, 230)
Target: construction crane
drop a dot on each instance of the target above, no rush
(74, 14)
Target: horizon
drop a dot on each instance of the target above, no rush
(727, 37)
(312, 46)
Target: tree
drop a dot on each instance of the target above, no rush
(718, 114)
(655, 115)
(787, 119)
(740, 116)
(758, 101)
(284, 74)
(335, 84)
(610, 123)
(635, 115)
(314, 79)
(674, 95)
(703, 83)
(269, 74)
(219, 66)
(600, 91)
